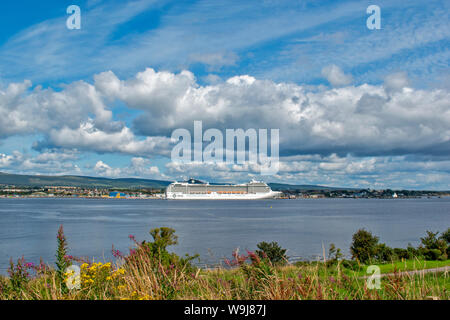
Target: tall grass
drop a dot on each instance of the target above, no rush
(142, 274)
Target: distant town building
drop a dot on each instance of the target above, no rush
(117, 195)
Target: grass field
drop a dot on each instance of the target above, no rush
(141, 277)
(400, 266)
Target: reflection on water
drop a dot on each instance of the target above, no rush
(211, 228)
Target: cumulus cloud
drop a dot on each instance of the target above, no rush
(48, 162)
(138, 167)
(88, 137)
(362, 120)
(396, 81)
(25, 111)
(335, 76)
(365, 122)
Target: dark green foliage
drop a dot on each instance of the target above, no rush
(432, 247)
(430, 241)
(413, 252)
(163, 238)
(62, 261)
(401, 253)
(364, 246)
(273, 252)
(446, 237)
(350, 264)
(383, 253)
(432, 254)
(334, 255)
(18, 274)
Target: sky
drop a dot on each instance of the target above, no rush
(356, 107)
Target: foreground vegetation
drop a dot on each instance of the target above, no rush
(149, 272)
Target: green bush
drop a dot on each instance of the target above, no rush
(364, 246)
(432, 247)
(163, 238)
(350, 264)
(383, 253)
(273, 252)
(446, 236)
(432, 254)
(401, 253)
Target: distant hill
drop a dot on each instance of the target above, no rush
(79, 181)
(125, 183)
(292, 187)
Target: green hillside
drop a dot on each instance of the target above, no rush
(78, 181)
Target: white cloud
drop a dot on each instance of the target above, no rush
(362, 120)
(215, 61)
(139, 167)
(335, 76)
(49, 162)
(396, 81)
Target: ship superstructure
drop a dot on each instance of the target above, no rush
(195, 189)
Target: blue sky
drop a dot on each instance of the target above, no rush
(355, 107)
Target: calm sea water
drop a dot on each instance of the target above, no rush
(211, 228)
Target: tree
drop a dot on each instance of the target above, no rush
(364, 246)
(383, 253)
(334, 253)
(432, 247)
(272, 251)
(163, 237)
(446, 236)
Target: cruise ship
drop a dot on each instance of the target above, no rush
(198, 190)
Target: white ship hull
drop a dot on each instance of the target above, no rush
(219, 196)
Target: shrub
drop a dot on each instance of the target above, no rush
(413, 252)
(18, 274)
(383, 253)
(446, 236)
(273, 252)
(432, 247)
(401, 253)
(350, 264)
(163, 238)
(62, 261)
(364, 246)
(432, 254)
